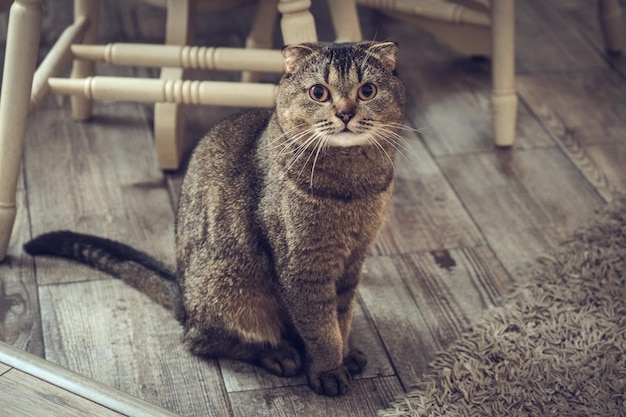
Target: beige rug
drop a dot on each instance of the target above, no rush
(555, 347)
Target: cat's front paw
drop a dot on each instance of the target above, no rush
(282, 361)
(330, 383)
(355, 361)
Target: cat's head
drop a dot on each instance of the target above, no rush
(340, 94)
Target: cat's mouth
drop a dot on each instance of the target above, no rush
(347, 138)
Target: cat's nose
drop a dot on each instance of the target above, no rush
(345, 115)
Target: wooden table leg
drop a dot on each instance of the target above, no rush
(345, 20)
(81, 106)
(261, 34)
(19, 66)
(169, 118)
(610, 17)
(297, 24)
(504, 98)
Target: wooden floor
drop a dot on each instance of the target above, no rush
(466, 217)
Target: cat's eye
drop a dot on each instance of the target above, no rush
(367, 92)
(319, 93)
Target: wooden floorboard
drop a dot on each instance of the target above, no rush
(364, 398)
(582, 111)
(523, 202)
(20, 317)
(465, 221)
(119, 337)
(91, 197)
(426, 214)
(582, 16)
(550, 42)
(427, 288)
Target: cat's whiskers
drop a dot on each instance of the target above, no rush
(316, 138)
(321, 144)
(377, 132)
(280, 140)
(292, 142)
(372, 137)
(401, 144)
(287, 142)
(299, 151)
(303, 148)
(402, 126)
(288, 148)
(313, 145)
(319, 137)
(394, 127)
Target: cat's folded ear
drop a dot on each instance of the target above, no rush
(386, 52)
(294, 56)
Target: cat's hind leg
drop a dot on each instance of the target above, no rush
(355, 361)
(280, 359)
(233, 313)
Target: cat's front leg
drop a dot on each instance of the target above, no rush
(326, 373)
(312, 304)
(354, 359)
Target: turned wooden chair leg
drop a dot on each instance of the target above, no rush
(345, 20)
(261, 34)
(169, 118)
(19, 66)
(504, 98)
(81, 106)
(297, 24)
(610, 17)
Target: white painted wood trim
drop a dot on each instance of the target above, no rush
(79, 385)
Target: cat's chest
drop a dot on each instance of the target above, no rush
(341, 175)
(296, 217)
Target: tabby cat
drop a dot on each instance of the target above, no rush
(276, 214)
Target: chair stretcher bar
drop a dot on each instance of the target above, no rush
(192, 57)
(56, 61)
(436, 10)
(209, 93)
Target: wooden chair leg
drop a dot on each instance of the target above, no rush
(504, 98)
(297, 24)
(81, 106)
(345, 20)
(19, 66)
(169, 118)
(261, 34)
(610, 17)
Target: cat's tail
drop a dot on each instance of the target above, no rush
(134, 267)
